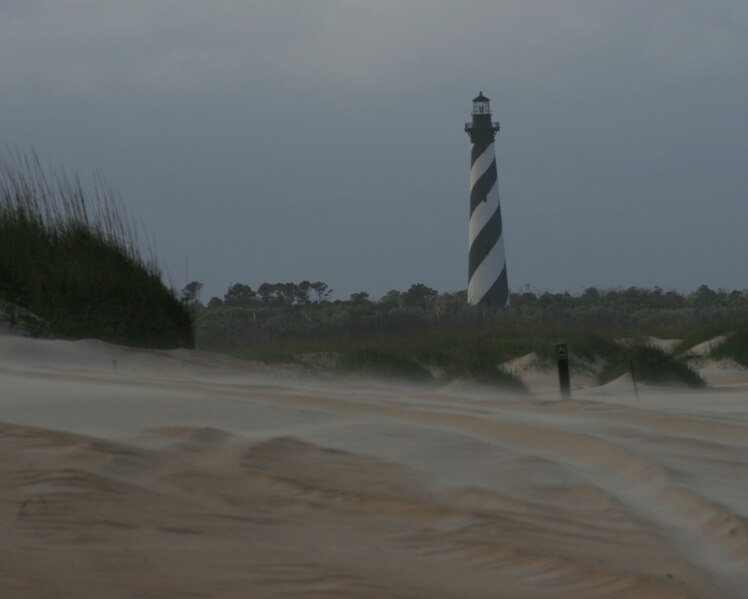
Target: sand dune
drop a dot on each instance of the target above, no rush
(130, 473)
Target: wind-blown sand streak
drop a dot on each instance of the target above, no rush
(129, 473)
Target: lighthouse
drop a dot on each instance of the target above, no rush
(487, 281)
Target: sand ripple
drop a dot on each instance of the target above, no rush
(228, 483)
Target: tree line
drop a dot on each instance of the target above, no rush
(247, 317)
(307, 293)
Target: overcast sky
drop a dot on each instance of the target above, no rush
(323, 139)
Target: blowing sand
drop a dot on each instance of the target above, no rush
(129, 473)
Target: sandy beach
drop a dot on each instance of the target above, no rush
(133, 473)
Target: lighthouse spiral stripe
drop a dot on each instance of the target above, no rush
(487, 280)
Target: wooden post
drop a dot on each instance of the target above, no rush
(562, 356)
(633, 379)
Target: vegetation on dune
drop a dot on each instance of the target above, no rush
(420, 333)
(704, 333)
(75, 264)
(433, 355)
(734, 347)
(650, 365)
(383, 362)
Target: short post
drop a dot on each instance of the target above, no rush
(562, 356)
(633, 379)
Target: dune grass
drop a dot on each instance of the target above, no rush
(703, 333)
(651, 365)
(444, 353)
(423, 355)
(474, 357)
(75, 263)
(735, 347)
(447, 354)
(388, 363)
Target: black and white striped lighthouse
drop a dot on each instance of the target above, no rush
(487, 282)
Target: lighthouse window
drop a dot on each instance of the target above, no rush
(480, 108)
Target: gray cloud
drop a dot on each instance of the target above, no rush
(288, 140)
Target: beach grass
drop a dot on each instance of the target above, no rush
(652, 365)
(704, 333)
(734, 347)
(448, 353)
(71, 258)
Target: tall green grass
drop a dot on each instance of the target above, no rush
(706, 332)
(467, 351)
(735, 347)
(425, 354)
(449, 354)
(429, 352)
(475, 356)
(651, 365)
(75, 262)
